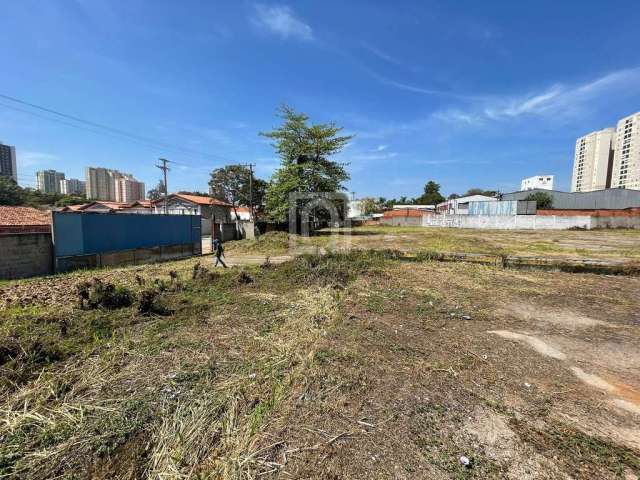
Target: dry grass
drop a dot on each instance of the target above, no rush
(580, 244)
(342, 366)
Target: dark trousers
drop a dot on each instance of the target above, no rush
(219, 260)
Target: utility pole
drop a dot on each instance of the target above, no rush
(164, 169)
(251, 190)
(250, 166)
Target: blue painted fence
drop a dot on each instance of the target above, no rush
(91, 233)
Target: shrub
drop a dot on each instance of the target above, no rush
(99, 294)
(244, 278)
(202, 273)
(335, 268)
(150, 302)
(543, 200)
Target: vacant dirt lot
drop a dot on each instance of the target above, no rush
(352, 365)
(608, 244)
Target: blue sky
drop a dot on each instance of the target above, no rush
(467, 93)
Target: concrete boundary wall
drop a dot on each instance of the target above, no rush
(529, 222)
(398, 221)
(25, 255)
(615, 222)
(507, 222)
(134, 256)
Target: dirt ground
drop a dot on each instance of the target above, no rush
(353, 366)
(606, 244)
(529, 375)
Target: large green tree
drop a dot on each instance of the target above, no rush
(368, 205)
(10, 192)
(235, 184)
(157, 192)
(431, 195)
(305, 150)
(543, 200)
(480, 191)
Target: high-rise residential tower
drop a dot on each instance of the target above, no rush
(8, 162)
(72, 186)
(593, 160)
(48, 181)
(626, 160)
(129, 190)
(112, 185)
(100, 183)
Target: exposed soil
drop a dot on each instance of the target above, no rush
(339, 368)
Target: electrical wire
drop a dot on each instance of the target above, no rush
(107, 130)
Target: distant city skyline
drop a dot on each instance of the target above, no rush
(468, 94)
(608, 158)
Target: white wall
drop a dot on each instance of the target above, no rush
(509, 222)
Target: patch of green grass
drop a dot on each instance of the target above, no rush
(375, 303)
(580, 452)
(264, 407)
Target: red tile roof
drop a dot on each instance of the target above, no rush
(197, 199)
(108, 204)
(24, 216)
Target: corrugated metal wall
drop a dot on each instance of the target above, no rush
(89, 233)
(612, 198)
(493, 208)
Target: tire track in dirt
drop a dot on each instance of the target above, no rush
(623, 396)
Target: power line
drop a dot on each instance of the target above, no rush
(105, 128)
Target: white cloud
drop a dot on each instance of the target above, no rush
(558, 102)
(454, 115)
(373, 156)
(416, 89)
(380, 54)
(382, 147)
(281, 20)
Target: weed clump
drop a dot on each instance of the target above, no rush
(203, 273)
(244, 278)
(98, 294)
(150, 303)
(335, 268)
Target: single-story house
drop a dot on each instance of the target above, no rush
(210, 209)
(104, 206)
(422, 208)
(24, 220)
(244, 213)
(460, 206)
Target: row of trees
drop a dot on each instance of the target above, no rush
(13, 194)
(430, 196)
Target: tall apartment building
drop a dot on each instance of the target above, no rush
(593, 161)
(105, 184)
(48, 181)
(626, 160)
(129, 190)
(100, 183)
(72, 186)
(8, 162)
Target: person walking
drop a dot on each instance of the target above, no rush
(218, 249)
